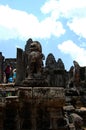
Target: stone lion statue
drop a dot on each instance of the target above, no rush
(35, 60)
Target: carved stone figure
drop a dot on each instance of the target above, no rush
(27, 46)
(30, 68)
(55, 71)
(35, 58)
(50, 67)
(60, 75)
(76, 74)
(30, 65)
(60, 64)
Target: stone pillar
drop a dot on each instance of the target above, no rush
(1, 67)
(19, 66)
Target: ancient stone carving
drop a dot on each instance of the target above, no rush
(60, 64)
(27, 46)
(35, 58)
(50, 61)
(55, 71)
(31, 70)
(30, 65)
(50, 67)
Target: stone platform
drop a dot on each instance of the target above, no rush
(34, 108)
(45, 106)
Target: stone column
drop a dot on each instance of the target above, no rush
(1, 67)
(19, 66)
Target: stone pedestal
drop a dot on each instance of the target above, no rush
(41, 106)
(34, 108)
(37, 81)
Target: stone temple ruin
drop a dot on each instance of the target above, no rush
(31, 71)
(43, 96)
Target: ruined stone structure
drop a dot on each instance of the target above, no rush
(55, 71)
(40, 89)
(41, 111)
(30, 68)
(33, 108)
(38, 96)
(30, 65)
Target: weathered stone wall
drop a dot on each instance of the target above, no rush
(41, 107)
(33, 108)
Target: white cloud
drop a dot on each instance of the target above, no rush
(73, 10)
(78, 26)
(77, 53)
(66, 8)
(49, 6)
(15, 23)
(51, 27)
(75, 13)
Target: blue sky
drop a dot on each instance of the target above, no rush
(59, 25)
